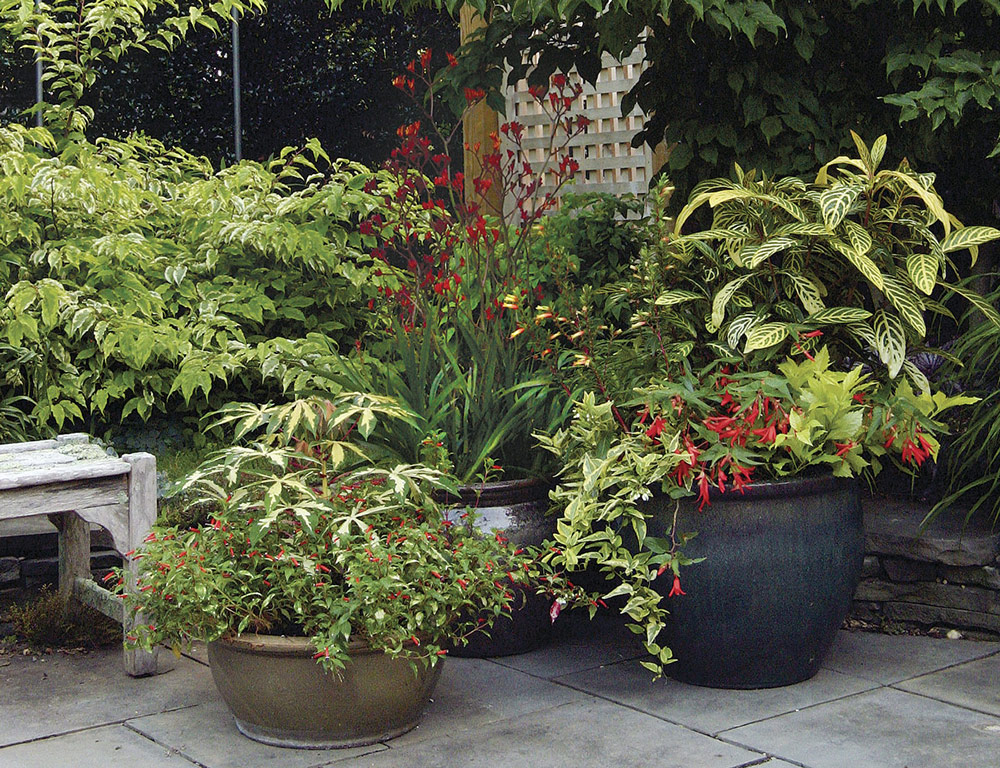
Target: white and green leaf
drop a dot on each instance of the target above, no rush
(765, 336)
(890, 341)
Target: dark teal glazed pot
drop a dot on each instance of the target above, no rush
(517, 510)
(781, 565)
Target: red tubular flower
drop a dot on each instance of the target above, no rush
(656, 428)
(703, 483)
(844, 448)
(676, 588)
(425, 58)
(452, 61)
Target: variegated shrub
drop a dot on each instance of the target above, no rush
(861, 255)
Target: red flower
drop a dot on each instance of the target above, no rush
(452, 61)
(425, 58)
(656, 427)
(472, 95)
(676, 588)
(703, 491)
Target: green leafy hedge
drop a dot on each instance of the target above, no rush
(140, 279)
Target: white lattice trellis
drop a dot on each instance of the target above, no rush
(608, 161)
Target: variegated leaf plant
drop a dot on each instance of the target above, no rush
(859, 254)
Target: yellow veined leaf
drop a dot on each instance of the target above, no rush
(890, 341)
(740, 327)
(930, 199)
(836, 201)
(766, 335)
(671, 298)
(907, 303)
(806, 228)
(723, 296)
(863, 153)
(878, 151)
(923, 270)
(863, 264)
(917, 376)
(839, 315)
(861, 240)
(753, 255)
(692, 205)
(823, 179)
(968, 237)
(810, 295)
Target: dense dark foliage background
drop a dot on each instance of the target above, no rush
(306, 72)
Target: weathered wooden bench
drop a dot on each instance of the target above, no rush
(76, 483)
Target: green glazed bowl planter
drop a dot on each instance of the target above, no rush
(781, 565)
(280, 695)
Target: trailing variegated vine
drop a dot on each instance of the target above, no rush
(860, 256)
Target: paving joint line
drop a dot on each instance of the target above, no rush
(931, 697)
(83, 728)
(173, 750)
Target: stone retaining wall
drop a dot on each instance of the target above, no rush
(945, 576)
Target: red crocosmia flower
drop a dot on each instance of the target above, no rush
(659, 423)
(676, 588)
(472, 95)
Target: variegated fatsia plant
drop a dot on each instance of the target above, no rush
(860, 256)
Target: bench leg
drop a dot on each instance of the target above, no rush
(141, 515)
(74, 552)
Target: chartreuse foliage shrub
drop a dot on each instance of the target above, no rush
(139, 279)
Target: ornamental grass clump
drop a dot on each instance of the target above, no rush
(307, 537)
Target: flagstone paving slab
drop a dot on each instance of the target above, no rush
(60, 693)
(709, 710)
(577, 652)
(884, 728)
(583, 733)
(891, 658)
(207, 734)
(111, 745)
(475, 692)
(975, 685)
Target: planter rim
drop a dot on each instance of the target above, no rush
(799, 485)
(485, 492)
(290, 645)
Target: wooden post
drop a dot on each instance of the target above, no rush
(478, 127)
(74, 538)
(141, 515)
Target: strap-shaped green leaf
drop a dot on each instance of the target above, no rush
(766, 335)
(917, 376)
(923, 270)
(863, 264)
(930, 199)
(890, 341)
(836, 201)
(978, 302)
(863, 153)
(968, 237)
(723, 296)
(839, 315)
(907, 303)
(672, 298)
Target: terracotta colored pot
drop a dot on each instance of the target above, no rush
(781, 565)
(280, 695)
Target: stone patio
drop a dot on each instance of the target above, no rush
(880, 701)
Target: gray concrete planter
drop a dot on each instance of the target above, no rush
(781, 565)
(280, 695)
